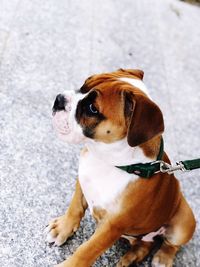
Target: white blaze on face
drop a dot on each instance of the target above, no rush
(64, 122)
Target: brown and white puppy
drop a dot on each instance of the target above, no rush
(120, 125)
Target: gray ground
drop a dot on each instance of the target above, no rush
(48, 46)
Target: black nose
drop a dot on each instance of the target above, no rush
(59, 103)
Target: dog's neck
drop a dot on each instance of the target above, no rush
(120, 153)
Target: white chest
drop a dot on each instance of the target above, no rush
(102, 183)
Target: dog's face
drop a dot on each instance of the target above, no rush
(107, 108)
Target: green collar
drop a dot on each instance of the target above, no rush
(145, 170)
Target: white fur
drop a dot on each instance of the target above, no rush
(136, 83)
(116, 153)
(100, 179)
(101, 183)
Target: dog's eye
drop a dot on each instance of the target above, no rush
(93, 109)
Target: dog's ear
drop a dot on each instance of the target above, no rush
(133, 72)
(144, 119)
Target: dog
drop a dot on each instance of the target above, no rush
(120, 125)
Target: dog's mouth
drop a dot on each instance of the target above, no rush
(61, 111)
(61, 122)
(64, 122)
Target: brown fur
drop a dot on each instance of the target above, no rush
(97, 79)
(146, 204)
(151, 148)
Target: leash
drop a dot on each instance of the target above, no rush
(147, 170)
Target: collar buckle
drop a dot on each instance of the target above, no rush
(166, 167)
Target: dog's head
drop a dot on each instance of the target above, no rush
(107, 108)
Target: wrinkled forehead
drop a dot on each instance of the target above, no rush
(108, 92)
(98, 79)
(110, 97)
(110, 89)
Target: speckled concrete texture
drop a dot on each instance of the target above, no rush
(49, 46)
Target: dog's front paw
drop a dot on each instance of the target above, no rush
(60, 229)
(162, 260)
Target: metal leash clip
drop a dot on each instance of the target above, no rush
(166, 167)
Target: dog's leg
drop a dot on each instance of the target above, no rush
(104, 237)
(180, 231)
(64, 226)
(137, 253)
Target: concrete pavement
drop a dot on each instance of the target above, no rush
(49, 46)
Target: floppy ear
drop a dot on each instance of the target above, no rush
(145, 120)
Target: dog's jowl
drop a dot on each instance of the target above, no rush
(120, 125)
